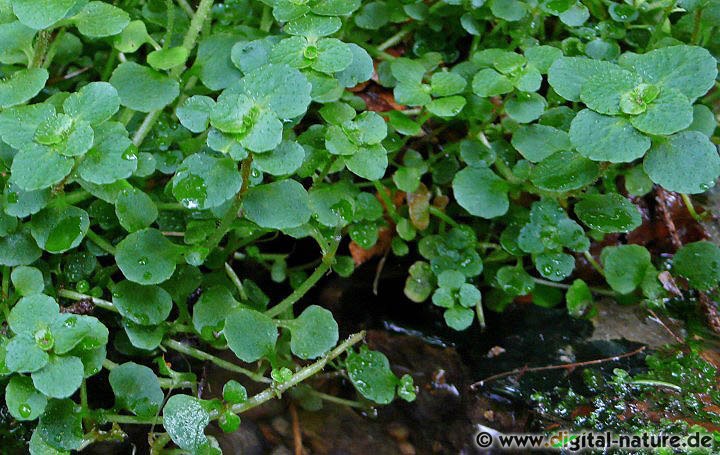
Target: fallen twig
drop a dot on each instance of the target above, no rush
(565, 366)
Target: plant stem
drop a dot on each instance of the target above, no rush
(393, 40)
(301, 290)
(202, 355)
(656, 383)
(337, 400)
(554, 284)
(72, 295)
(145, 127)
(389, 206)
(266, 20)
(170, 206)
(277, 389)
(443, 216)
(691, 207)
(41, 46)
(236, 281)
(593, 262)
(232, 213)
(186, 7)
(196, 24)
(101, 242)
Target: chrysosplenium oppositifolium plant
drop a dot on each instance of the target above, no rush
(153, 149)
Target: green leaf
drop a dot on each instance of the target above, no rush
(17, 42)
(625, 266)
(210, 310)
(481, 192)
(458, 318)
(85, 332)
(514, 280)
(689, 69)
(686, 162)
(22, 400)
(370, 373)
(213, 64)
(564, 171)
(554, 266)
(332, 56)
(185, 419)
(567, 75)
(40, 14)
(59, 230)
(360, 69)
(525, 107)
(446, 83)
(18, 124)
(446, 107)
(24, 355)
(373, 15)
(147, 257)
(542, 57)
(412, 93)
(699, 263)
(145, 305)
(369, 162)
(94, 103)
(313, 333)
(476, 154)
(27, 280)
(234, 392)
(510, 10)
(703, 120)
(21, 86)
(284, 90)
(279, 205)
(165, 59)
(112, 157)
(489, 82)
(202, 182)
(250, 334)
(133, 36)
(33, 313)
(100, 19)
(144, 337)
(314, 26)
(136, 389)
(61, 425)
(135, 210)
(608, 213)
(669, 113)
(18, 248)
(60, 378)
(537, 142)
(194, 113)
(285, 159)
(579, 298)
(602, 91)
(604, 138)
(143, 89)
(251, 55)
(334, 7)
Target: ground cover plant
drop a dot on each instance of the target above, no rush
(160, 158)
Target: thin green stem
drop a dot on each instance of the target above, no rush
(202, 355)
(337, 400)
(236, 281)
(301, 290)
(145, 127)
(6, 291)
(389, 205)
(553, 284)
(697, 26)
(202, 14)
(100, 303)
(436, 212)
(214, 240)
(593, 262)
(656, 383)
(101, 242)
(277, 389)
(691, 207)
(396, 38)
(42, 42)
(186, 7)
(266, 20)
(170, 206)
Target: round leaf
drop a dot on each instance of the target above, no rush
(699, 263)
(60, 378)
(143, 89)
(278, 205)
(136, 389)
(185, 420)
(604, 138)
(481, 192)
(251, 335)
(145, 305)
(314, 333)
(608, 213)
(147, 257)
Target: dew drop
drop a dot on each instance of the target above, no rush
(25, 410)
